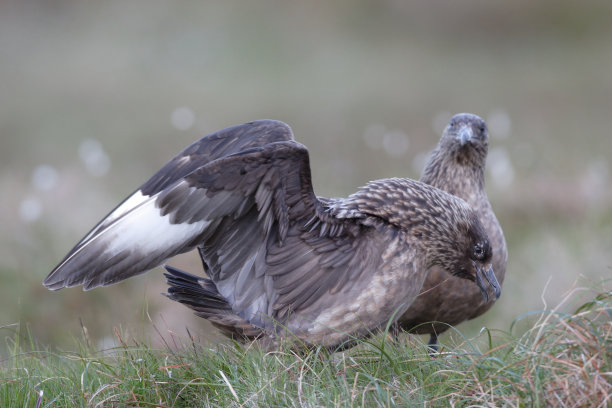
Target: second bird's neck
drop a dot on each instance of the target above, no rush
(457, 174)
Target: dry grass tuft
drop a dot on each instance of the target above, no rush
(563, 360)
(576, 350)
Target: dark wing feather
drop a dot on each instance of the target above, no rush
(80, 260)
(214, 146)
(202, 296)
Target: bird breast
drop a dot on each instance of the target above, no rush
(390, 290)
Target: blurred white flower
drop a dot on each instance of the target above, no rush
(183, 118)
(94, 157)
(44, 177)
(396, 143)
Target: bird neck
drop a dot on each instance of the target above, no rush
(460, 173)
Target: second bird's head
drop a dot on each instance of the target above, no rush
(466, 134)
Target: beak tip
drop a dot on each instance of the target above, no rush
(489, 276)
(485, 295)
(497, 292)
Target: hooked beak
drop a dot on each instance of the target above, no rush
(464, 135)
(489, 276)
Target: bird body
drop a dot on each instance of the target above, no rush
(280, 259)
(457, 166)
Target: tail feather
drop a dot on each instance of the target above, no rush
(201, 295)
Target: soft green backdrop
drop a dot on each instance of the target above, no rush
(96, 96)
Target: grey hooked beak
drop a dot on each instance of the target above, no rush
(464, 135)
(489, 276)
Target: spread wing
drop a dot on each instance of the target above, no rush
(222, 143)
(272, 247)
(211, 147)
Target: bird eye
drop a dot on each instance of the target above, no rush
(478, 251)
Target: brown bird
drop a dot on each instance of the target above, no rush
(279, 258)
(457, 166)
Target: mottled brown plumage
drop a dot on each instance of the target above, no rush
(328, 271)
(457, 166)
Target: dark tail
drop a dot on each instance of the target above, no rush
(201, 295)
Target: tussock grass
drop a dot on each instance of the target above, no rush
(560, 360)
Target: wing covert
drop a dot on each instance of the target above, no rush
(222, 143)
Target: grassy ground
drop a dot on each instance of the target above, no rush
(546, 358)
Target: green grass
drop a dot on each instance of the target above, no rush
(557, 360)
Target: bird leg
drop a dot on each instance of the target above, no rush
(432, 344)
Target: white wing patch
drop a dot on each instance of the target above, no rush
(137, 226)
(132, 202)
(147, 231)
(126, 206)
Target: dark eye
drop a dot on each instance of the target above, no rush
(478, 251)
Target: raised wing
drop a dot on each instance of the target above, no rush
(222, 143)
(138, 206)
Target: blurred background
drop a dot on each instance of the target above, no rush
(96, 96)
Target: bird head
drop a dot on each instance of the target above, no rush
(465, 252)
(475, 264)
(466, 134)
